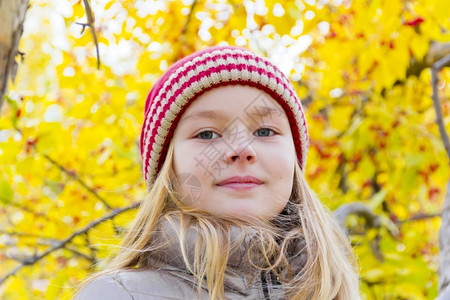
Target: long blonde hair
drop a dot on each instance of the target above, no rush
(328, 273)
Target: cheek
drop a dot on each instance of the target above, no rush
(281, 162)
(281, 165)
(190, 189)
(183, 158)
(190, 175)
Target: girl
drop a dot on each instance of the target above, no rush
(229, 214)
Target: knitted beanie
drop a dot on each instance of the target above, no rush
(199, 72)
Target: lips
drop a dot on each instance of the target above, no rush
(236, 180)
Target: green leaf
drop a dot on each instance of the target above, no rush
(412, 160)
(15, 109)
(6, 192)
(55, 186)
(377, 199)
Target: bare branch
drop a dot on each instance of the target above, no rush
(372, 221)
(437, 106)
(189, 17)
(93, 248)
(83, 26)
(444, 249)
(444, 239)
(78, 179)
(418, 217)
(78, 253)
(436, 52)
(443, 62)
(360, 209)
(20, 257)
(90, 24)
(63, 243)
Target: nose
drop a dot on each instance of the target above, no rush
(241, 153)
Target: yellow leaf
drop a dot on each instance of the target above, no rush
(419, 46)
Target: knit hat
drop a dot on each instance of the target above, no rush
(199, 72)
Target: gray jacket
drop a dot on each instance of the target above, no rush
(171, 279)
(172, 283)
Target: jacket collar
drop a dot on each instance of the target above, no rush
(241, 271)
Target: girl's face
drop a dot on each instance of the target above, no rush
(234, 155)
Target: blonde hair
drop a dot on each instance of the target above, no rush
(328, 273)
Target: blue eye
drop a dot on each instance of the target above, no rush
(264, 132)
(207, 135)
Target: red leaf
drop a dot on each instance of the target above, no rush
(414, 22)
(331, 34)
(367, 183)
(356, 158)
(30, 144)
(433, 167)
(433, 192)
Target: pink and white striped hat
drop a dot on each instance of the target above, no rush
(199, 72)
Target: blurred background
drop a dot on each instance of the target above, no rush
(70, 169)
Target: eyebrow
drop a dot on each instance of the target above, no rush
(260, 111)
(263, 111)
(205, 114)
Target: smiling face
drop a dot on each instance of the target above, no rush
(234, 154)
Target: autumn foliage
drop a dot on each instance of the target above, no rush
(69, 131)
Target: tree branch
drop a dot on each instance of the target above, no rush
(74, 176)
(91, 190)
(372, 221)
(17, 256)
(444, 232)
(436, 52)
(418, 217)
(360, 209)
(189, 17)
(444, 249)
(439, 119)
(90, 24)
(64, 242)
(78, 253)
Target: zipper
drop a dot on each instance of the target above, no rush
(274, 281)
(265, 286)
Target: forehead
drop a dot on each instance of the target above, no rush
(232, 101)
